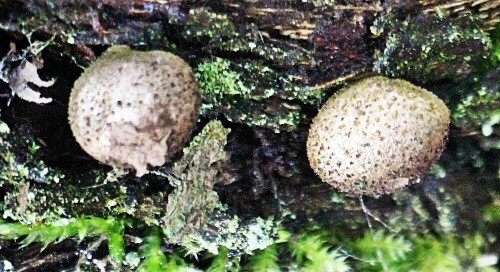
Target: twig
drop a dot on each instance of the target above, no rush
(276, 195)
(32, 264)
(365, 211)
(92, 247)
(355, 257)
(369, 214)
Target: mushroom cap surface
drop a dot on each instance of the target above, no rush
(377, 135)
(132, 108)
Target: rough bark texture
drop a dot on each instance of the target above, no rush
(264, 68)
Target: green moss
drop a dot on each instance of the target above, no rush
(416, 216)
(491, 212)
(203, 25)
(429, 48)
(252, 94)
(223, 263)
(18, 160)
(445, 254)
(479, 108)
(31, 202)
(389, 252)
(217, 32)
(60, 230)
(313, 254)
(154, 259)
(247, 90)
(264, 260)
(35, 193)
(44, 210)
(19, 171)
(219, 85)
(476, 104)
(382, 251)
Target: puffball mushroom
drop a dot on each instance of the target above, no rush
(377, 135)
(132, 108)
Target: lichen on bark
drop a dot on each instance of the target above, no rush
(193, 178)
(431, 47)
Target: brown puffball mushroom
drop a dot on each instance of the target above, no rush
(377, 135)
(132, 108)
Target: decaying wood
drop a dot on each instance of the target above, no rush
(324, 43)
(312, 44)
(487, 10)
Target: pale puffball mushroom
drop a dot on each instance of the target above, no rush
(377, 135)
(132, 108)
